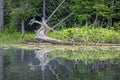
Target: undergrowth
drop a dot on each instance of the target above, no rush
(87, 34)
(16, 37)
(84, 34)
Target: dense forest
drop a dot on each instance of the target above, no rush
(91, 13)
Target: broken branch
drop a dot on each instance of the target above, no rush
(55, 10)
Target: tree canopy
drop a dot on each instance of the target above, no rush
(100, 13)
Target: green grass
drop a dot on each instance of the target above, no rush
(15, 37)
(87, 34)
(83, 35)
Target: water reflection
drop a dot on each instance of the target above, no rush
(1, 63)
(37, 64)
(22, 55)
(47, 64)
(44, 58)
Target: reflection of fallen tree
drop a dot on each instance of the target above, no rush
(46, 64)
(44, 59)
(55, 68)
(53, 71)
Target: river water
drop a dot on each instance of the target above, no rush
(21, 64)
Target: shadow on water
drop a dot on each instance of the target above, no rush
(21, 64)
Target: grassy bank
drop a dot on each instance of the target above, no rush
(15, 37)
(83, 35)
(87, 34)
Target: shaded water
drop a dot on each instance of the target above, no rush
(20, 64)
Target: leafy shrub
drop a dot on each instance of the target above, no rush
(88, 34)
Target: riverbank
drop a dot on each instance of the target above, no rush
(84, 35)
(47, 46)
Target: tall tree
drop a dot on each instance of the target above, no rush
(20, 11)
(23, 12)
(1, 15)
(82, 11)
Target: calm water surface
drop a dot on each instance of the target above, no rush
(20, 64)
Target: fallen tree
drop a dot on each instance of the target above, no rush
(41, 33)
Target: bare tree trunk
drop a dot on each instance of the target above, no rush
(111, 21)
(1, 16)
(86, 22)
(23, 26)
(44, 14)
(96, 19)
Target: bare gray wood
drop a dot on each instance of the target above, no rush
(41, 33)
(44, 14)
(55, 10)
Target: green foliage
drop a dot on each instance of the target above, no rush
(103, 12)
(16, 11)
(117, 26)
(81, 10)
(87, 56)
(15, 37)
(87, 34)
(22, 8)
(99, 13)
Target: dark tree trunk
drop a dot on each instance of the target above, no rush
(23, 26)
(1, 16)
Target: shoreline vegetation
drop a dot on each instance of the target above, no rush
(84, 35)
(45, 46)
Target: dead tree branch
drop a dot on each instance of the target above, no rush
(55, 10)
